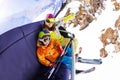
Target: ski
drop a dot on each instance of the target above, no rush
(85, 71)
(64, 20)
(89, 61)
(69, 17)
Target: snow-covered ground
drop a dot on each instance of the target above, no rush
(91, 44)
(88, 38)
(14, 13)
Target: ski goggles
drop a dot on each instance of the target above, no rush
(44, 39)
(50, 20)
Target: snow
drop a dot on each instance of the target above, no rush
(90, 42)
(14, 13)
(10, 17)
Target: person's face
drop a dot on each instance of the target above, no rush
(50, 22)
(46, 40)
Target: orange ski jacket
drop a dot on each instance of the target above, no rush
(49, 54)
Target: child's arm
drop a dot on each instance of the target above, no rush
(38, 44)
(42, 60)
(59, 47)
(55, 51)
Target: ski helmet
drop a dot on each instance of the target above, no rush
(50, 18)
(50, 15)
(43, 33)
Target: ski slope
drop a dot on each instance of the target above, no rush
(91, 44)
(14, 13)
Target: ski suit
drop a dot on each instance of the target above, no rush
(49, 54)
(64, 71)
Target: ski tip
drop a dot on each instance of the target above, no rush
(90, 70)
(69, 17)
(85, 71)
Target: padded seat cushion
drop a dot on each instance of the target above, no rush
(18, 59)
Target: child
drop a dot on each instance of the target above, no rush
(50, 24)
(47, 52)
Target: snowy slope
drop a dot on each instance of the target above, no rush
(90, 42)
(14, 13)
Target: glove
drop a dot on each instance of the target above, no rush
(51, 64)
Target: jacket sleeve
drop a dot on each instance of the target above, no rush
(41, 58)
(55, 36)
(59, 47)
(38, 44)
(54, 51)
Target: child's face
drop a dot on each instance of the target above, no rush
(50, 24)
(46, 40)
